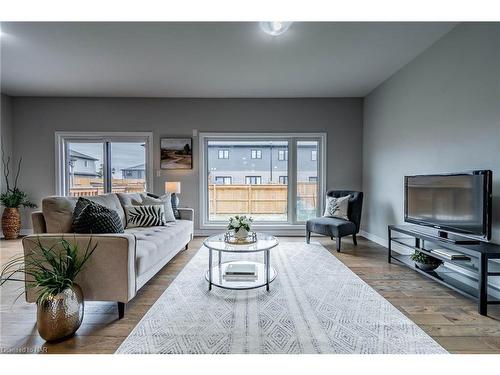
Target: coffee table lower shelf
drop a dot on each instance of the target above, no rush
(219, 280)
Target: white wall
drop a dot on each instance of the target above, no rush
(36, 120)
(6, 136)
(440, 113)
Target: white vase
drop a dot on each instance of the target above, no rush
(241, 233)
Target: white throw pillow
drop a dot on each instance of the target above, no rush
(145, 215)
(337, 207)
(166, 200)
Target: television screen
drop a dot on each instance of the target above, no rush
(457, 203)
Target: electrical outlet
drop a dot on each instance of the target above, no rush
(158, 173)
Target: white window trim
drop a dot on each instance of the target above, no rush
(204, 137)
(60, 154)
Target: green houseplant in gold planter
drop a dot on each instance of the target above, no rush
(52, 271)
(12, 199)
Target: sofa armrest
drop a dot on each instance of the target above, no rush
(38, 221)
(108, 275)
(186, 213)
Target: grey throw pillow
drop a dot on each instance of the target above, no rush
(166, 202)
(337, 207)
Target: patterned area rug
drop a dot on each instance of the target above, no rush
(315, 305)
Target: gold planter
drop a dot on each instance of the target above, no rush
(11, 223)
(61, 315)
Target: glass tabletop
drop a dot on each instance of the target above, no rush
(264, 242)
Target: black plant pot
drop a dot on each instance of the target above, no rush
(427, 267)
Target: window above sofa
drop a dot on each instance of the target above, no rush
(96, 163)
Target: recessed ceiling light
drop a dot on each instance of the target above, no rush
(275, 28)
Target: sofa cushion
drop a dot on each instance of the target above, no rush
(157, 243)
(58, 211)
(164, 200)
(95, 218)
(331, 226)
(130, 199)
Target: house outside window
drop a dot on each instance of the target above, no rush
(253, 180)
(283, 180)
(282, 155)
(256, 154)
(223, 180)
(313, 179)
(223, 154)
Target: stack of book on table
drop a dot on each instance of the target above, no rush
(240, 272)
(450, 254)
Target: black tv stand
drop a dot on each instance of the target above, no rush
(417, 238)
(456, 239)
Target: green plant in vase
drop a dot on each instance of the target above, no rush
(425, 262)
(51, 271)
(241, 225)
(12, 199)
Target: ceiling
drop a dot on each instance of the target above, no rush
(206, 59)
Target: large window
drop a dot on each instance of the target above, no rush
(278, 184)
(98, 163)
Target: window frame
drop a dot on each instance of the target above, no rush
(253, 178)
(224, 179)
(315, 157)
(224, 151)
(284, 153)
(258, 153)
(292, 139)
(61, 155)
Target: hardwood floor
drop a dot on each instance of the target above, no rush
(451, 319)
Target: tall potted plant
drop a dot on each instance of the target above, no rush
(12, 198)
(52, 271)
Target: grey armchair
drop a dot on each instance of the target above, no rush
(336, 227)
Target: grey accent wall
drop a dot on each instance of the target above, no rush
(37, 119)
(440, 113)
(6, 135)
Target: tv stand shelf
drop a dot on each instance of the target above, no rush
(481, 252)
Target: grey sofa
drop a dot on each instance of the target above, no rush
(122, 262)
(336, 227)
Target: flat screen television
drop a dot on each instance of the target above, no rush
(458, 203)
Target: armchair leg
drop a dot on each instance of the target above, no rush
(338, 244)
(121, 310)
(186, 247)
(354, 240)
(308, 236)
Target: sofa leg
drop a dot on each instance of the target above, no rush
(354, 240)
(308, 236)
(121, 310)
(186, 247)
(338, 244)
(331, 237)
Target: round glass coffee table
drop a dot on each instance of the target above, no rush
(216, 274)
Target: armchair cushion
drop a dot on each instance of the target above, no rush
(331, 226)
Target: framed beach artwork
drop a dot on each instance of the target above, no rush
(176, 153)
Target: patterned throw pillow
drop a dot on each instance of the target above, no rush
(166, 202)
(337, 207)
(145, 216)
(90, 217)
